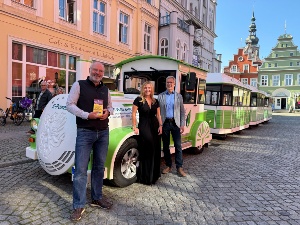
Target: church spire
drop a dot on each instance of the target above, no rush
(252, 39)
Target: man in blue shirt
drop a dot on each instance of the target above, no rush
(173, 118)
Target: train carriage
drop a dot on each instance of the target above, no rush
(227, 103)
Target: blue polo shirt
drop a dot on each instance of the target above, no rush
(170, 98)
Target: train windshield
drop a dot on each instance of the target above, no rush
(133, 81)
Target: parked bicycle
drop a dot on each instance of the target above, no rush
(16, 111)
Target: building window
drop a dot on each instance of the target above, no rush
(123, 28)
(298, 79)
(269, 65)
(275, 80)
(291, 63)
(147, 38)
(276, 55)
(298, 63)
(164, 45)
(253, 82)
(29, 3)
(99, 13)
(67, 9)
(264, 80)
(246, 67)
(276, 64)
(234, 69)
(177, 49)
(149, 2)
(291, 53)
(288, 79)
(37, 65)
(244, 80)
(184, 52)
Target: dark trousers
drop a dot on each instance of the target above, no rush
(170, 127)
(37, 113)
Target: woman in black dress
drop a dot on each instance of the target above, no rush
(149, 130)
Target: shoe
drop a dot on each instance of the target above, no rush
(77, 213)
(101, 203)
(167, 170)
(31, 132)
(180, 172)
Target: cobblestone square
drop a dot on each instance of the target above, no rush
(249, 178)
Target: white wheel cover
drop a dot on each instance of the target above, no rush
(56, 137)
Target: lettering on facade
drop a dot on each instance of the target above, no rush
(76, 47)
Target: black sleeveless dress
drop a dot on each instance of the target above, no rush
(148, 170)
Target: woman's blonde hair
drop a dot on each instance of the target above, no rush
(142, 95)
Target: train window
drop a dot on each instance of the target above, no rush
(133, 80)
(212, 95)
(201, 91)
(188, 93)
(236, 98)
(253, 99)
(241, 97)
(227, 98)
(247, 103)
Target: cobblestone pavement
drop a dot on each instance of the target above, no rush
(249, 178)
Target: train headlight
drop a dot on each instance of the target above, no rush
(34, 123)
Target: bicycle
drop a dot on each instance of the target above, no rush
(28, 105)
(16, 112)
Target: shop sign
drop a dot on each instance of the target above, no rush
(79, 48)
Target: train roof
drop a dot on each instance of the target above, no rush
(256, 90)
(221, 78)
(120, 64)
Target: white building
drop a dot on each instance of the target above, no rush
(187, 32)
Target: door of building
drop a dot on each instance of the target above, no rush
(283, 103)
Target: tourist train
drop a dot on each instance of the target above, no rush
(214, 104)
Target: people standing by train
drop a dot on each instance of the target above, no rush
(149, 129)
(173, 118)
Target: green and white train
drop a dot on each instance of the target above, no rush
(54, 142)
(232, 106)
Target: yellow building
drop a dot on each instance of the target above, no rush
(55, 40)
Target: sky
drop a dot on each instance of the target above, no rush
(273, 18)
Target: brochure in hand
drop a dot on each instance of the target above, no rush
(98, 106)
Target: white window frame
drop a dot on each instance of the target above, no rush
(22, 2)
(276, 65)
(184, 53)
(99, 13)
(244, 80)
(298, 63)
(246, 67)
(269, 65)
(122, 26)
(288, 79)
(277, 79)
(147, 37)
(178, 49)
(66, 12)
(291, 63)
(264, 80)
(164, 47)
(234, 68)
(253, 82)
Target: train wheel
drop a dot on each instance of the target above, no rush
(197, 150)
(125, 164)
